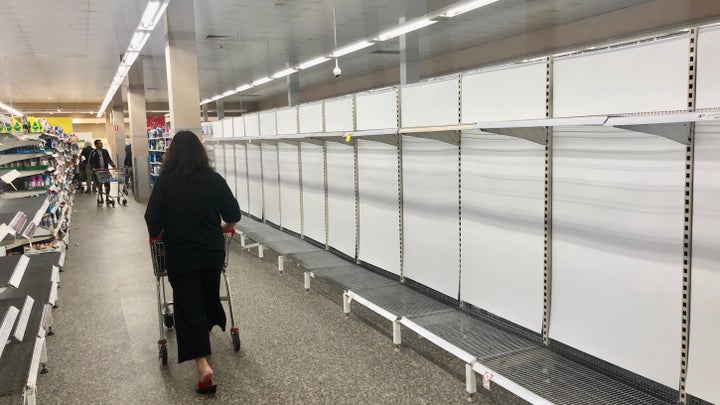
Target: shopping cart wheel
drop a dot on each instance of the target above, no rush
(169, 320)
(124, 201)
(164, 354)
(235, 339)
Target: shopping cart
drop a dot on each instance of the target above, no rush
(107, 176)
(166, 316)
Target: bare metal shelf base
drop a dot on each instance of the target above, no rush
(529, 370)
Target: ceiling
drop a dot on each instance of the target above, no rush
(67, 51)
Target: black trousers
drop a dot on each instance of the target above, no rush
(196, 296)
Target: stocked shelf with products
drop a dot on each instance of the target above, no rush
(158, 141)
(36, 196)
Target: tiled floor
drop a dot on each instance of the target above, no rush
(297, 347)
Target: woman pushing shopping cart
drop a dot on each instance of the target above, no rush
(190, 207)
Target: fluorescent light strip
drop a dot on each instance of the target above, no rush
(342, 51)
(154, 10)
(264, 80)
(138, 40)
(151, 10)
(465, 7)
(228, 93)
(404, 29)
(283, 73)
(313, 62)
(244, 87)
(130, 58)
(11, 110)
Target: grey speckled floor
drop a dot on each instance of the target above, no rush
(297, 347)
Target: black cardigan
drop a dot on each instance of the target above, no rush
(95, 159)
(188, 210)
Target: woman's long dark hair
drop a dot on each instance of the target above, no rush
(185, 156)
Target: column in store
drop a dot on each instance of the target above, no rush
(182, 68)
(138, 131)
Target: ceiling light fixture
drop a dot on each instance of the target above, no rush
(419, 23)
(465, 7)
(154, 10)
(351, 48)
(151, 15)
(244, 87)
(264, 80)
(228, 93)
(283, 73)
(207, 100)
(11, 110)
(313, 62)
(404, 29)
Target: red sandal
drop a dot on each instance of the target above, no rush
(206, 387)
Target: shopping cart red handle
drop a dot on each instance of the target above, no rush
(230, 231)
(152, 239)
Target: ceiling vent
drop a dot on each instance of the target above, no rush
(211, 36)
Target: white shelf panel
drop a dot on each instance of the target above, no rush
(287, 121)
(618, 248)
(239, 126)
(376, 110)
(704, 362)
(217, 128)
(429, 104)
(228, 130)
(268, 126)
(252, 125)
(708, 64)
(502, 227)
(639, 78)
(339, 114)
(241, 179)
(254, 178)
(311, 118)
(341, 197)
(430, 198)
(230, 168)
(270, 182)
(289, 186)
(313, 192)
(510, 93)
(379, 225)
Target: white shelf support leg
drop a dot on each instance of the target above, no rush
(306, 279)
(30, 396)
(346, 305)
(470, 383)
(397, 334)
(242, 241)
(261, 251)
(281, 264)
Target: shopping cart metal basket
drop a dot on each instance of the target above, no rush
(166, 316)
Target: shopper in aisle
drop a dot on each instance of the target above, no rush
(100, 159)
(85, 169)
(127, 165)
(189, 207)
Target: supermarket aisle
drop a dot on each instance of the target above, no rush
(297, 348)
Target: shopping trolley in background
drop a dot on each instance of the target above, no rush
(166, 314)
(107, 176)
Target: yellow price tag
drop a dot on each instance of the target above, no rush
(348, 136)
